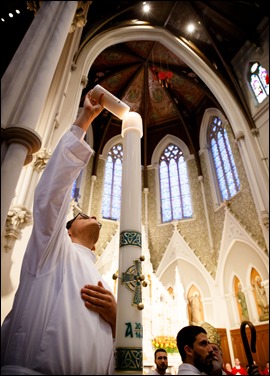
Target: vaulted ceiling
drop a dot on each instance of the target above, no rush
(165, 91)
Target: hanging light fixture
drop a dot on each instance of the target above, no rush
(164, 78)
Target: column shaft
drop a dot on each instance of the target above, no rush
(26, 83)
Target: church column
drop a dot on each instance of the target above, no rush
(93, 179)
(232, 310)
(25, 85)
(129, 331)
(206, 215)
(21, 142)
(262, 210)
(255, 132)
(251, 305)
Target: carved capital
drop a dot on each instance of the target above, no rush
(34, 6)
(80, 17)
(41, 160)
(255, 132)
(17, 218)
(24, 136)
(239, 136)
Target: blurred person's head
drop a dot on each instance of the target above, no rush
(161, 361)
(228, 367)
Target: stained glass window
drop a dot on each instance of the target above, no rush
(174, 185)
(75, 192)
(111, 202)
(226, 172)
(259, 81)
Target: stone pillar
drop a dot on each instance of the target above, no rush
(255, 187)
(25, 86)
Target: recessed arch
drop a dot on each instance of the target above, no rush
(164, 143)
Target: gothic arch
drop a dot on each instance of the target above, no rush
(227, 101)
(164, 143)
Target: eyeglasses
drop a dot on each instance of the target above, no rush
(84, 216)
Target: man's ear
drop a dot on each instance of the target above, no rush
(188, 350)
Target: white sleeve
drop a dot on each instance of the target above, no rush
(78, 132)
(53, 195)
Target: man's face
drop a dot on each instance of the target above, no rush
(217, 357)
(83, 227)
(237, 362)
(161, 360)
(202, 353)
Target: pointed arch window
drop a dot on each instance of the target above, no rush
(225, 168)
(111, 202)
(174, 185)
(259, 81)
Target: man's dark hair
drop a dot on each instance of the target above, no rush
(160, 350)
(187, 336)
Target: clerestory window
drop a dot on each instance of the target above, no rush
(225, 168)
(111, 202)
(174, 185)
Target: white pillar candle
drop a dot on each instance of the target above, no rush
(129, 331)
(109, 101)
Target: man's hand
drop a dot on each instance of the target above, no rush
(102, 301)
(91, 109)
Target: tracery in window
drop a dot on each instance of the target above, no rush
(111, 202)
(225, 168)
(174, 185)
(259, 81)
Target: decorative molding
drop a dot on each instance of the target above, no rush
(80, 17)
(41, 160)
(73, 66)
(129, 359)
(255, 132)
(265, 219)
(84, 81)
(130, 238)
(240, 136)
(17, 218)
(34, 6)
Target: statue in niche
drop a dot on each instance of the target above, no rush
(261, 298)
(195, 309)
(242, 301)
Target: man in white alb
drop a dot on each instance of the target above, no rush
(58, 325)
